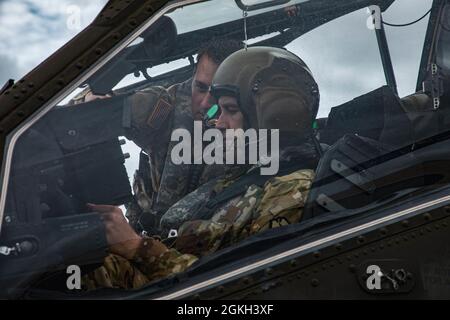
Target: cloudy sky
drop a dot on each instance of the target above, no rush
(30, 30)
(345, 59)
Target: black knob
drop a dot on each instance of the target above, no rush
(26, 247)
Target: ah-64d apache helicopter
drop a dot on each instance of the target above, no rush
(376, 219)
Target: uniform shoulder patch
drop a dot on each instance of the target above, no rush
(159, 114)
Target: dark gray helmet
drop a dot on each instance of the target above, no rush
(274, 88)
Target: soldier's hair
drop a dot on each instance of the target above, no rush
(219, 50)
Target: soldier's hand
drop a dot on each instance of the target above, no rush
(85, 96)
(91, 97)
(121, 237)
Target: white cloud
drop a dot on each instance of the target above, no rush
(31, 30)
(8, 69)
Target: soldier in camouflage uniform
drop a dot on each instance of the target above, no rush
(154, 113)
(242, 203)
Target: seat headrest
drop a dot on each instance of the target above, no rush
(378, 115)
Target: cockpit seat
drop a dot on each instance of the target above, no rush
(426, 120)
(366, 137)
(378, 115)
(382, 149)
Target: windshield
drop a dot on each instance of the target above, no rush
(227, 11)
(216, 125)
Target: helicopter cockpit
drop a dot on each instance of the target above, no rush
(383, 70)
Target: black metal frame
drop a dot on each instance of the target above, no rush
(386, 58)
(430, 41)
(259, 6)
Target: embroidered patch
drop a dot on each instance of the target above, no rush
(159, 114)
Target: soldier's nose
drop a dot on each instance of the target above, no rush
(207, 102)
(221, 122)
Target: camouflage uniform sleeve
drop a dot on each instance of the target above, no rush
(147, 117)
(168, 263)
(279, 202)
(116, 272)
(203, 237)
(145, 267)
(282, 201)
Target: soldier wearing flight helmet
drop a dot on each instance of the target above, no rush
(259, 88)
